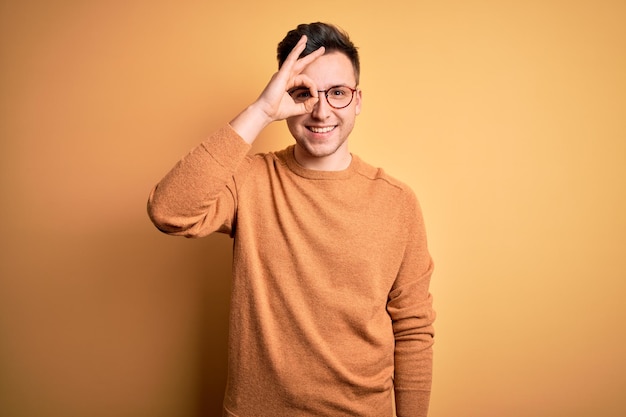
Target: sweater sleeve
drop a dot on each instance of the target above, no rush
(412, 314)
(197, 196)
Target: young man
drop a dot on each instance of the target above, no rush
(330, 309)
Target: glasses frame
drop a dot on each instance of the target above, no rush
(352, 90)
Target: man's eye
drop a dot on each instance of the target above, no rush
(301, 94)
(337, 92)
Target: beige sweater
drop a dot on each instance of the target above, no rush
(330, 304)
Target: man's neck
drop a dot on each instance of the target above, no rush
(337, 161)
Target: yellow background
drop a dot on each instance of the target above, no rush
(508, 118)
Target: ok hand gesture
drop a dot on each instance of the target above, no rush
(275, 103)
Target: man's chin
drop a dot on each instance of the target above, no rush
(318, 150)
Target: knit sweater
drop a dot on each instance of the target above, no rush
(330, 310)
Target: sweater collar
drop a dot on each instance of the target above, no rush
(287, 157)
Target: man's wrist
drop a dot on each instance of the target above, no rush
(250, 122)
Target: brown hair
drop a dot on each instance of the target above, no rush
(320, 34)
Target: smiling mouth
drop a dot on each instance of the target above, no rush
(315, 129)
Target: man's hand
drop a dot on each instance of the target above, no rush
(275, 100)
(275, 103)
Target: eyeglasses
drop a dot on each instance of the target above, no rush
(337, 97)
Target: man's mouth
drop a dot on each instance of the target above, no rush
(316, 129)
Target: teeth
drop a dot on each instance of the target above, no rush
(321, 129)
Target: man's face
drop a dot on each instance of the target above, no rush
(321, 136)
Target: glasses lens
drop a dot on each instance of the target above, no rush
(300, 95)
(339, 96)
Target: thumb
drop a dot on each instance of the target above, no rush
(310, 104)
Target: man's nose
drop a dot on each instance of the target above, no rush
(322, 109)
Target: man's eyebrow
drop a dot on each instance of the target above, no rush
(338, 85)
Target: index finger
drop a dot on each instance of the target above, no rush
(294, 61)
(295, 52)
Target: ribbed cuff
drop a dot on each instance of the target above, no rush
(412, 403)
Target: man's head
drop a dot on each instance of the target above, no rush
(322, 134)
(319, 34)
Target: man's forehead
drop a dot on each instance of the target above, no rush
(331, 69)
